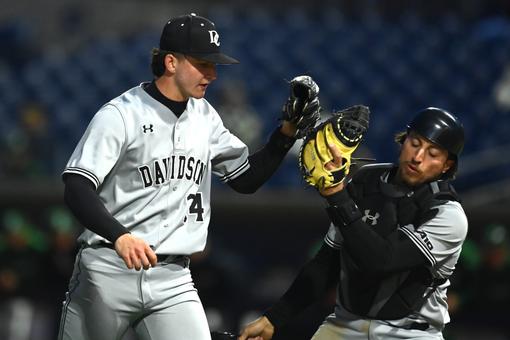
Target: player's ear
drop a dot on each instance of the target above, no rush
(171, 62)
(447, 165)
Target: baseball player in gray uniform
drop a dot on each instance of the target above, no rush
(139, 181)
(395, 238)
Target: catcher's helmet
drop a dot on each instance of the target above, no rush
(441, 127)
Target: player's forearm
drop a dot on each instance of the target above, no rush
(263, 163)
(83, 201)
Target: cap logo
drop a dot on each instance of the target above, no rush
(215, 38)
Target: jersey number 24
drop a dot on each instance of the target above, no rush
(196, 206)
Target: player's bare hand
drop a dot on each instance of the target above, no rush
(260, 329)
(335, 163)
(135, 252)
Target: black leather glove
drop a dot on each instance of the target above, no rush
(302, 107)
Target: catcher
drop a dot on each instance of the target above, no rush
(395, 236)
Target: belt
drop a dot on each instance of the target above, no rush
(166, 258)
(422, 326)
(418, 325)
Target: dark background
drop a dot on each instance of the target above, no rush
(60, 61)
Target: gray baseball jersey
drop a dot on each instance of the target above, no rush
(440, 240)
(152, 169)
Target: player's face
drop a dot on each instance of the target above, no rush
(193, 76)
(421, 161)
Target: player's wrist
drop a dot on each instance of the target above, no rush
(328, 192)
(119, 235)
(337, 197)
(280, 141)
(279, 314)
(344, 214)
(288, 129)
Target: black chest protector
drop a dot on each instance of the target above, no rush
(384, 207)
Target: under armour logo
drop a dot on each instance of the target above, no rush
(215, 38)
(373, 219)
(148, 128)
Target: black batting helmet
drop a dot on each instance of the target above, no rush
(442, 128)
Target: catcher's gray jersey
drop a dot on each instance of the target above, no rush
(440, 240)
(152, 169)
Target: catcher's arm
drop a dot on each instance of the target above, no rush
(302, 109)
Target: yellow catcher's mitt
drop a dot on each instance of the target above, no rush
(345, 129)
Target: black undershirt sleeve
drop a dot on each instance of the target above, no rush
(83, 201)
(372, 253)
(263, 163)
(313, 281)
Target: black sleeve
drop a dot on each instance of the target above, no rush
(83, 201)
(312, 282)
(371, 252)
(263, 163)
